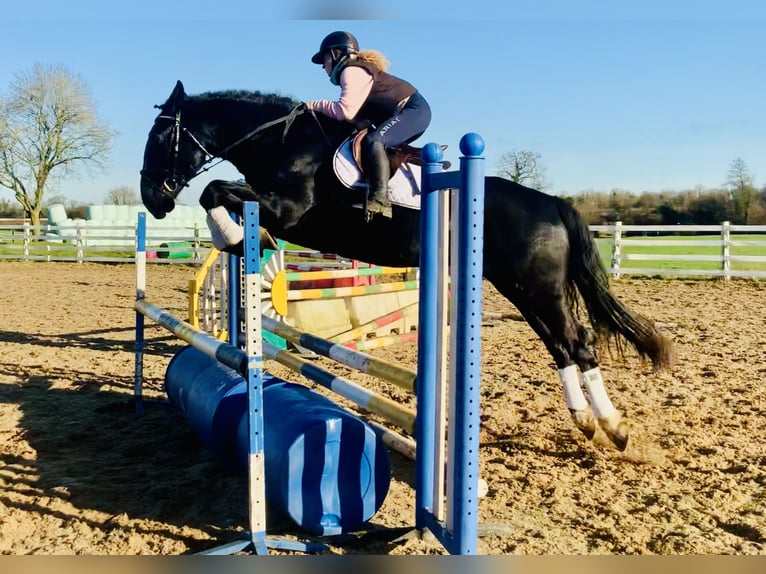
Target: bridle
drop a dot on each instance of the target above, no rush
(175, 182)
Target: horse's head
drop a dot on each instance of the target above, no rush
(171, 158)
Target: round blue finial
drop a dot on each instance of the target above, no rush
(472, 144)
(432, 153)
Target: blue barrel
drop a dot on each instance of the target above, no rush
(326, 468)
(214, 399)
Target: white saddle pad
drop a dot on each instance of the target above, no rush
(403, 189)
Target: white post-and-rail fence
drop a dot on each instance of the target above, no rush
(732, 238)
(100, 243)
(110, 244)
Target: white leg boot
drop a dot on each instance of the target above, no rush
(576, 401)
(609, 419)
(223, 229)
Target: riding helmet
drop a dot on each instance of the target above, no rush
(343, 41)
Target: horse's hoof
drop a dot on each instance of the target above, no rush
(616, 429)
(584, 421)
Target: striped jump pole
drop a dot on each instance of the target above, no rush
(324, 266)
(384, 341)
(317, 274)
(296, 294)
(338, 292)
(365, 398)
(400, 376)
(375, 324)
(224, 352)
(315, 255)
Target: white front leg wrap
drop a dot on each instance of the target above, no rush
(223, 229)
(573, 394)
(599, 401)
(218, 241)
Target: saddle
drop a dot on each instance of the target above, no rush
(404, 153)
(405, 170)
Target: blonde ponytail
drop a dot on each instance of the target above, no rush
(374, 59)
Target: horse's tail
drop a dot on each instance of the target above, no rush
(608, 315)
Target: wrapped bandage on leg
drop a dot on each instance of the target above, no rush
(224, 230)
(573, 394)
(576, 401)
(599, 401)
(609, 419)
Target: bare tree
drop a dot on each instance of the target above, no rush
(122, 195)
(757, 213)
(10, 208)
(742, 190)
(524, 167)
(739, 175)
(54, 199)
(48, 129)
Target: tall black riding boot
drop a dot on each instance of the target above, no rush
(375, 166)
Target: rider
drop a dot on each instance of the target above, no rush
(393, 110)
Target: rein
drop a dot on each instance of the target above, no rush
(321, 129)
(288, 121)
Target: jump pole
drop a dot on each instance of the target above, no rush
(399, 376)
(361, 396)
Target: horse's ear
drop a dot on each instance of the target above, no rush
(178, 92)
(175, 100)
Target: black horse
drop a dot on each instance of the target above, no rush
(537, 250)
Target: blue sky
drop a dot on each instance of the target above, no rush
(644, 99)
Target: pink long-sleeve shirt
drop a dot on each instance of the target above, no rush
(355, 86)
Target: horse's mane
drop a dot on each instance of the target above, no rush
(254, 97)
